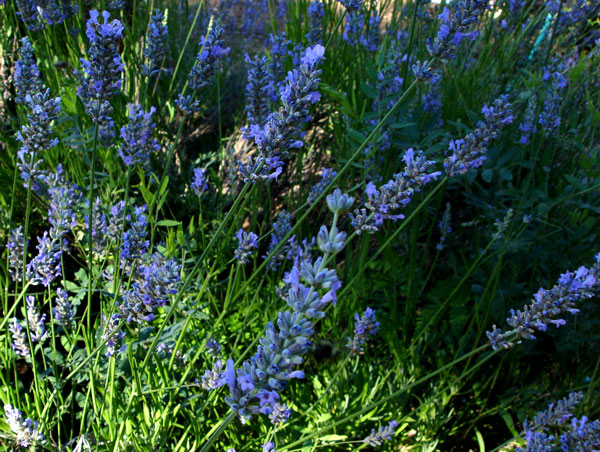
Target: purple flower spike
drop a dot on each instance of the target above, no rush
(137, 137)
(365, 326)
(548, 305)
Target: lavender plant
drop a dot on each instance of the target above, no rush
(137, 324)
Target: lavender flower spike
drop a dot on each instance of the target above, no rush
(37, 327)
(352, 4)
(570, 433)
(470, 152)
(114, 335)
(25, 430)
(156, 44)
(455, 28)
(20, 343)
(64, 313)
(364, 327)
(327, 176)
(280, 132)
(247, 241)
(64, 198)
(257, 89)
(395, 194)
(45, 266)
(27, 75)
(211, 52)
(103, 70)
(255, 387)
(316, 11)
(549, 305)
(105, 66)
(29, 14)
(137, 137)
(16, 253)
(150, 290)
(199, 184)
(37, 136)
(383, 434)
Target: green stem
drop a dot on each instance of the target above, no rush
(90, 228)
(219, 430)
(187, 40)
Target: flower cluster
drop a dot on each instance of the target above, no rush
(280, 131)
(113, 335)
(355, 22)
(255, 386)
(28, 13)
(211, 52)
(26, 430)
(528, 125)
(454, 28)
(37, 326)
(549, 305)
(370, 39)
(352, 4)
(432, 99)
(37, 136)
(64, 198)
(36, 14)
(64, 313)
(137, 137)
(213, 378)
(549, 118)
(107, 225)
(571, 434)
(187, 105)
(377, 438)
(573, 13)
(156, 44)
(152, 284)
(278, 53)
(199, 184)
(27, 75)
(135, 242)
(257, 89)
(281, 227)
(470, 151)
(365, 326)
(16, 253)
(45, 266)
(395, 194)
(259, 167)
(247, 241)
(280, 414)
(104, 68)
(20, 344)
(316, 12)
